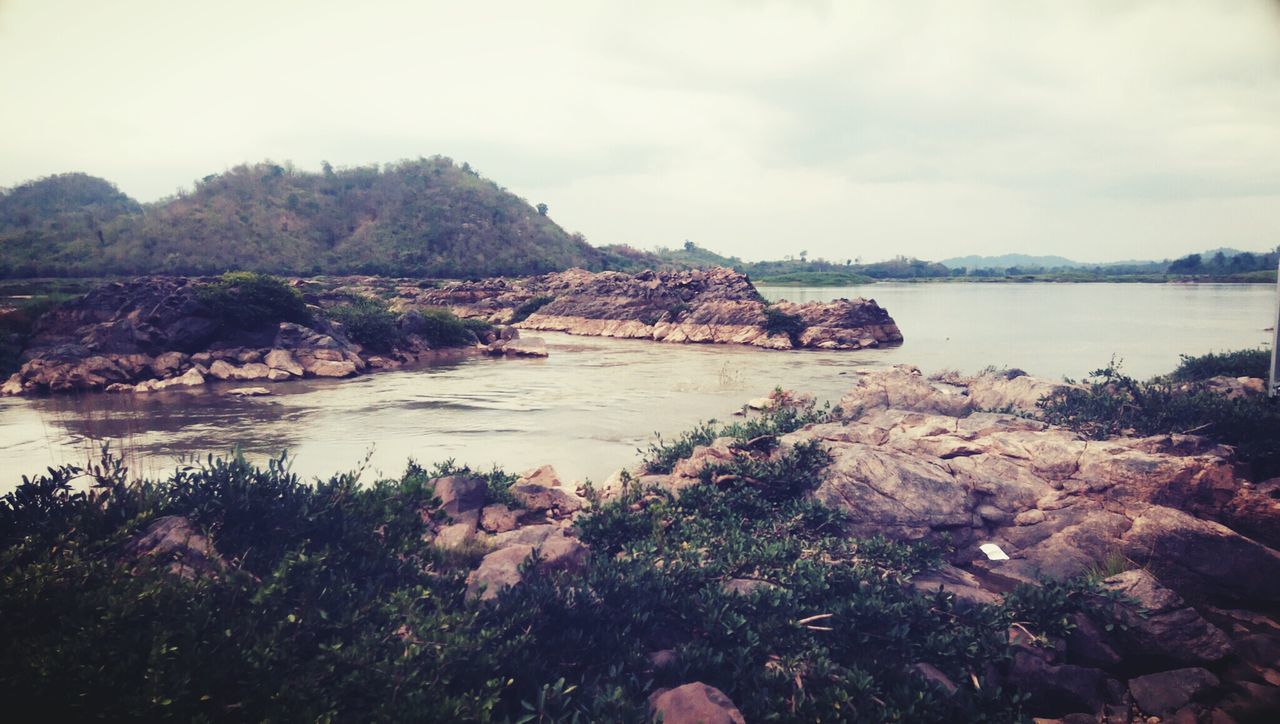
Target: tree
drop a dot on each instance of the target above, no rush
(542, 209)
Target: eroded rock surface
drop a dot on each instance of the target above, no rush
(713, 305)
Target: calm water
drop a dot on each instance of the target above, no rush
(588, 407)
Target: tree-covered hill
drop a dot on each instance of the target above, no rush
(425, 217)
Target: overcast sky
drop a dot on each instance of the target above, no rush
(1095, 130)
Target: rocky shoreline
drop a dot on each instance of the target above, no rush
(155, 333)
(702, 306)
(1188, 631)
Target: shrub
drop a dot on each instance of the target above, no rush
(442, 328)
(249, 300)
(17, 324)
(777, 321)
(369, 322)
(524, 310)
(1114, 404)
(1241, 363)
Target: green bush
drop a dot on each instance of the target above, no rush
(1113, 403)
(368, 322)
(524, 310)
(17, 324)
(249, 300)
(442, 328)
(777, 321)
(333, 608)
(1241, 363)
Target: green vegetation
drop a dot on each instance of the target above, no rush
(661, 456)
(1241, 363)
(18, 321)
(424, 217)
(249, 300)
(1112, 403)
(815, 279)
(523, 311)
(440, 328)
(368, 322)
(777, 321)
(331, 607)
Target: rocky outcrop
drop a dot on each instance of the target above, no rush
(153, 334)
(714, 305)
(1187, 628)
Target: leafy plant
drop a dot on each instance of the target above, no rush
(369, 322)
(1240, 363)
(249, 300)
(777, 321)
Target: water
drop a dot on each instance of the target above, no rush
(588, 407)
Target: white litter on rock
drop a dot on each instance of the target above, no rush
(993, 552)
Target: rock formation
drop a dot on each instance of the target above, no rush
(154, 333)
(713, 305)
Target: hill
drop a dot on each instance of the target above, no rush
(425, 217)
(1003, 261)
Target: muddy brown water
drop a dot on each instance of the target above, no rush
(589, 406)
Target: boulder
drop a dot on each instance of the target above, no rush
(248, 392)
(498, 518)
(694, 703)
(329, 368)
(1164, 693)
(173, 539)
(1156, 622)
(168, 364)
(282, 359)
(460, 493)
(500, 569)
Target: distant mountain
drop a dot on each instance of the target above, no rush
(1005, 261)
(428, 217)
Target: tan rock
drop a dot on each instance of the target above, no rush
(282, 359)
(694, 703)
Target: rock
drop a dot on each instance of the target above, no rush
(541, 490)
(1164, 693)
(501, 568)
(168, 364)
(525, 347)
(222, 370)
(1203, 558)
(1159, 623)
(1088, 643)
(746, 586)
(459, 493)
(963, 585)
(330, 368)
(694, 703)
(248, 392)
(455, 535)
(278, 375)
(12, 386)
(252, 371)
(497, 518)
(712, 305)
(282, 359)
(1057, 690)
(172, 538)
(933, 675)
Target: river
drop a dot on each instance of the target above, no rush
(589, 406)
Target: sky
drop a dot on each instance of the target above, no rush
(1098, 131)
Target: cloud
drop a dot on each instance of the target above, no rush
(1097, 130)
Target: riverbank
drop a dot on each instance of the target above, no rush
(151, 334)
(839, 598)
